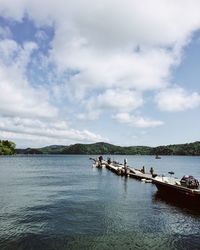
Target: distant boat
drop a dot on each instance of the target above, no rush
(186, 188)
(157, 157)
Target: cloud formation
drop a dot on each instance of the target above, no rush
(26, 110)
(18, 97)
(53, 130)
(177, 99)
(115, 99)
(102, 56)
(137, 121)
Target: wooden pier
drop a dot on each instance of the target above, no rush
(137, 174)
(123, 170)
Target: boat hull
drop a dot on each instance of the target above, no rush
(175, 191)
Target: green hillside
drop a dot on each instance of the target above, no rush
(179, 149)
(106, 148)
(53, 149)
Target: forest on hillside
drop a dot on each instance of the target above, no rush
(109, 149)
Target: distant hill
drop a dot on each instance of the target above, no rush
(7, 147)
(179, 149)
(106, 148)
(53, 149)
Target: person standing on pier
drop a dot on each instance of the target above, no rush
(151, 171)
(125, 167)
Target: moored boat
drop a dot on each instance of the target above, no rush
(186, 188)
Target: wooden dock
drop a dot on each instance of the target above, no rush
(115, 168)
(122, 170)
(137, 174)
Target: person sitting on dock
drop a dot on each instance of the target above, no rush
(100, 158)
(109, 160)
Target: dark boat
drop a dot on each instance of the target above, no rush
(187, 188)
(157, 157)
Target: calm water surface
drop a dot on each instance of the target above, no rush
(61, 202)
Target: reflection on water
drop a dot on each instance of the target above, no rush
(61, 202)
(183, 205)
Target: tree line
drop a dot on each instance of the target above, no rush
(109, 149)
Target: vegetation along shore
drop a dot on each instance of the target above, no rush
(7, 147)
(106, 148)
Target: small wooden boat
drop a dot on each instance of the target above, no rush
(157, 157)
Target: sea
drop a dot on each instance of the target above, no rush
(63, 202)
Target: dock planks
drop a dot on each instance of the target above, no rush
(119, 169)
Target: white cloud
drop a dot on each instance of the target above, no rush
(17, 96)
(91, 115)
(114, 99)
(136, 121)
(51, 130)
(177, 99)
(123, 117)
(111, 100)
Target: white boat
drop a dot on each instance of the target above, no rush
(185, 188)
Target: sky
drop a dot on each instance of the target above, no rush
(83, 71)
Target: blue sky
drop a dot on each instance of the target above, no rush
(82, 71)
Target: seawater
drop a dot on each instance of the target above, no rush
(62, 202)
